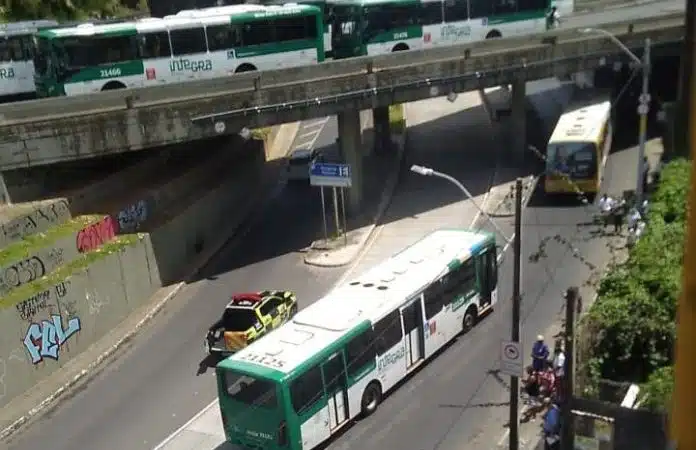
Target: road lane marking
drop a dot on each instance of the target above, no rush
(178, 431)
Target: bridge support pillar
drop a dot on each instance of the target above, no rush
(350, 141)
(4, 193)
(380, 119)
(517, 145)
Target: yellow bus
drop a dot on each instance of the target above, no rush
(578, 148)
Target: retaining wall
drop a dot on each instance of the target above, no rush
(37, 218)
(42, 332)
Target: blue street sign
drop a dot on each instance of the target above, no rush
(331, 175)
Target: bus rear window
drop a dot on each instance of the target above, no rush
(249, 390)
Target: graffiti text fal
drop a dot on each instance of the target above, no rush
(45, 340)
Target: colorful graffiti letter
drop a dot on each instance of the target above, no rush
(44, 341)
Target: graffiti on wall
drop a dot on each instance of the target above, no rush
(45, 339)
(97, 234)
(39, 302)
(22, 272)
(131, 217)
(40, 218)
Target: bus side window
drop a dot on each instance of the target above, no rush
(456, 11)
(295, 28)
(480, 8)
(223, 37)
(461, 281)
(360, 352)
(28, 47)
(388, 332)
(435, 297)
(504, 7)
(431, 13)
(306, 390)
(532, 5)
(15, 48)
(258, 33)
(155, 45)
(188, 41)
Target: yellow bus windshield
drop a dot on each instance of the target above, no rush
(576, 160)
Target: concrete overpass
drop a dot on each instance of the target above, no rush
(62, 129)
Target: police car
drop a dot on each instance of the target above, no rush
(247, 317)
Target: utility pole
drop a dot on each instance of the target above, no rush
(643, 109)
(515, 332)
(683, 433)
(567, 436)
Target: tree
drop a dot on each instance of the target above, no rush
(64, 10)
(633, 319)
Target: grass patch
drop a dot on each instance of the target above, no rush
(27, 290)
(397, 123)
(261, 133)
(33, 242)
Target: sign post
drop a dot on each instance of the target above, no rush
(323, 214)
(333, 176)
(345, 224)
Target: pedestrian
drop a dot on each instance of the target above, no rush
(633, 219)
(553, 18)
(540, 354)
(552, 427)
(606, 204)
(646, 174)
(617, 215)
(559, 359)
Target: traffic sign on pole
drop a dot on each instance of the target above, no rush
(331, 175)
(511, 360)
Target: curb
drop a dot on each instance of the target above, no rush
(387, 195)
(593, 6)
(94, 367)
(506, 206)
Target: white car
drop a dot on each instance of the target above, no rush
(299, 162)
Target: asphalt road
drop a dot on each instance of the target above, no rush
(153, 388)
(457, 398)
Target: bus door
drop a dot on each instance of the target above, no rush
(336, 387)
(486, 276)
(413, 332)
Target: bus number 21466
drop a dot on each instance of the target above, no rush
(108, 73)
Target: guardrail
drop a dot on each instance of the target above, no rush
(253, 82)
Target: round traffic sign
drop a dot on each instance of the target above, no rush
(511, 352)
(220, 127)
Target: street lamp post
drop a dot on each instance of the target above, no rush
(428, 172)
(643, 101)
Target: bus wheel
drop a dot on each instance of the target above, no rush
(245, 68)
(469, 319)
(371, 399)
(113, 85)
(400, 48)
(495, 34)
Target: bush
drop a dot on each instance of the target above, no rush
(656, 394)
(635, 312)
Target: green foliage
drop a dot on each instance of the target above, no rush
(635, 312)
(63, 10)
(657, 391)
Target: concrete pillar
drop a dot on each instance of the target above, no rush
(350, 142)
(518, 125)
(4, 194)
(380, 119)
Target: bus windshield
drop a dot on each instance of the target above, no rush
(574, 159)
(248, 390)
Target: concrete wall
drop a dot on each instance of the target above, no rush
(32, 219)
(183, 237)
(48, 328)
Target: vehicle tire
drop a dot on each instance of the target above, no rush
(371, 399)
(495, 34)
(113, 85)
(245, 68)
(401, 47)
(469, 320)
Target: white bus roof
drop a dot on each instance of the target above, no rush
(371, 296)
(152, 24)
(25, 27)
(581, 122)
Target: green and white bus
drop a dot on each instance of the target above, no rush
(91, 58)
(336, 359)
(375, 27)
(17, 58)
